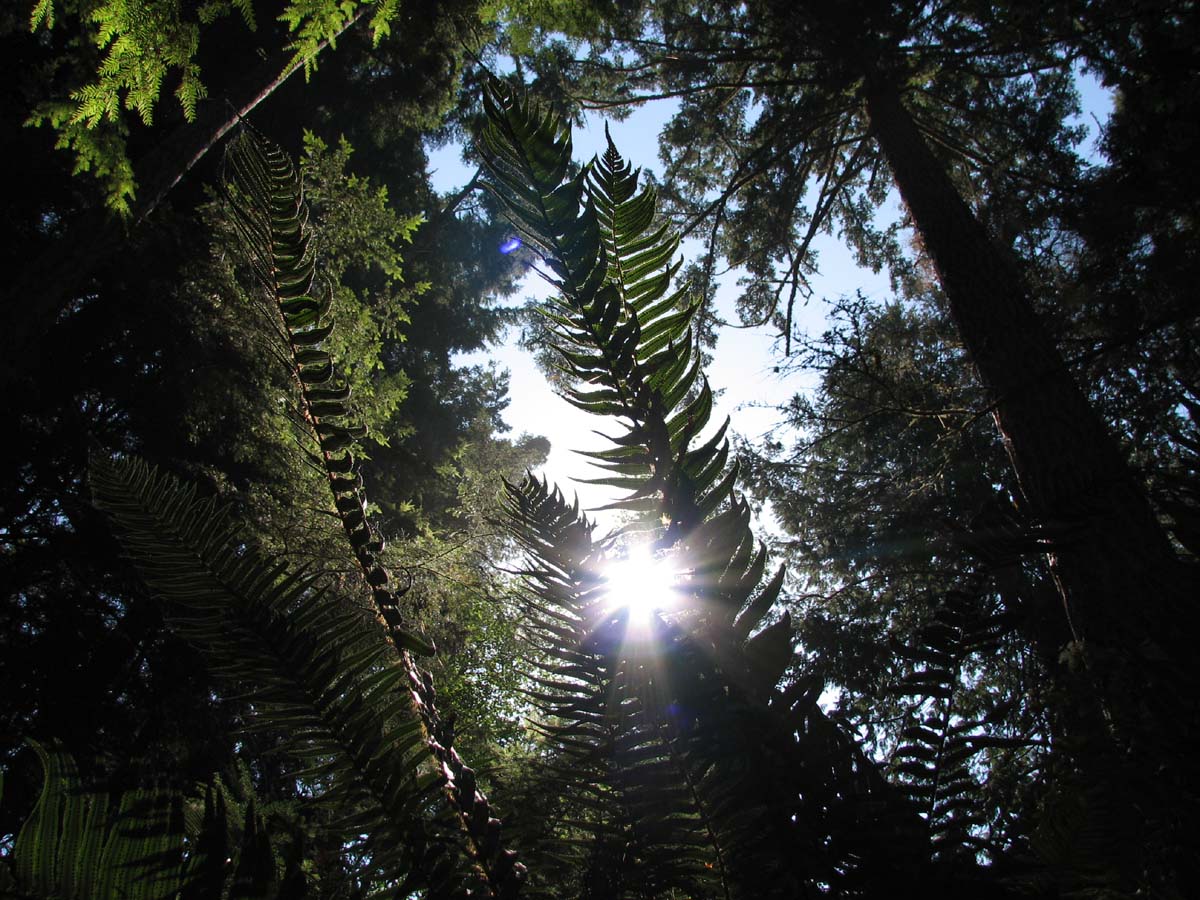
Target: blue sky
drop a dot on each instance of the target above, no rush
(743, 365)
(744, 360)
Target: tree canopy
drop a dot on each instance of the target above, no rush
(287, 611)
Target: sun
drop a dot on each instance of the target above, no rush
(641, 583)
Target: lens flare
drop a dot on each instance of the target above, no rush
(640, 583)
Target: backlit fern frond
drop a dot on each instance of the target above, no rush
(624, 338)
(782, 800)
(933, 762)
(621, 764)
(311, 670)
(271, 215)
(79, 845)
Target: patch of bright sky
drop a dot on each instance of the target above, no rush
(1096, 106)
(744, 363)
(744, 367)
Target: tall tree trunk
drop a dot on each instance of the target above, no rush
(40, 294)
(1116, 570)
(1129, 601)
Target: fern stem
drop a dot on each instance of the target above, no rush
(265, 175)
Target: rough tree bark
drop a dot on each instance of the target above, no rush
(1130, 602)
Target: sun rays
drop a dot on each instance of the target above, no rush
(641, 583)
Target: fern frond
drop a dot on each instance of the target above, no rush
(599, 694)
(266, 194)
(42, 14)
(267, 199)
(675, 766)
(932, 763)
(76, 845)
(788, 797)
(310, 669)
(625, 341)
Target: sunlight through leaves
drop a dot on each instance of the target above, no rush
(642, 583)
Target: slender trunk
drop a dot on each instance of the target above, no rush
(49, 283)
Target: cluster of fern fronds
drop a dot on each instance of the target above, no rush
(680, 760)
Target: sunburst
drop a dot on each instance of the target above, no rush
(642, 583)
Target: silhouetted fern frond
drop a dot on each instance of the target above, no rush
(600, 690)
(268, 202)
(768, 797)
(271, 217)
(933, 763)
(623, 337)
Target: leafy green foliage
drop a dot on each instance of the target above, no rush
(679, 762)
(103, 154)
(167, 346)
(315, 23)
(272, 217)
(146, 43)
(316, 673)
(142, 42)
(358, 222)
(77, 844)
(357, 716)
